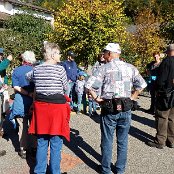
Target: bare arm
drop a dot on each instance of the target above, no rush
(22, 91)
(95, 96)
(135, 94)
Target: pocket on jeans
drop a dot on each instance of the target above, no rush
(126, 116)
(109, 119)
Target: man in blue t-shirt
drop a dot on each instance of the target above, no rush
(71, 71)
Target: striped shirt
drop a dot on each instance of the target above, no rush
(48, 79)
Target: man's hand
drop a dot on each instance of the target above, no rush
(99, 100)
(5, 86)
(10, 57)
(135, 94)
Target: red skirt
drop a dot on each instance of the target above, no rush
(51, 119)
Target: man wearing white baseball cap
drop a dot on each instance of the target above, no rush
(115, 79)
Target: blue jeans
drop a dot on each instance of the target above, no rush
(92, 106)
(81, 100)
(109, 123)
(55, 154)
(69, 93)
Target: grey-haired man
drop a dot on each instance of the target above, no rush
(116, 79)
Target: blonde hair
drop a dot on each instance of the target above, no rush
(50, 49)
(29, 57)
(81, 78)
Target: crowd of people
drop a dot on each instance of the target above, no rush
(45, 95)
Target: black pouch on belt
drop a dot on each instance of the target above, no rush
(107, 106)
(122, 104)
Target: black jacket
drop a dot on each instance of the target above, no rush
(165, 77)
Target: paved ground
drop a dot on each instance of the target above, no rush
(82, 155)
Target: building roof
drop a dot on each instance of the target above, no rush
(20, 4)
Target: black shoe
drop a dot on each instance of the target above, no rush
(2, 153)
(150, 111)
(170, 145)
(22, 154)
(154, 144)
(90, 115)
(95, 113)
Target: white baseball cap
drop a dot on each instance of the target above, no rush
(113, 47)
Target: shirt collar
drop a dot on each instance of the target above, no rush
(115, 59)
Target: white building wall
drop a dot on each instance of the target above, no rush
(6, 7)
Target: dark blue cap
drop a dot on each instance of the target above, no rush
(72, 54)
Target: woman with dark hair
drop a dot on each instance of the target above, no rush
(152, 71)
(51, 112)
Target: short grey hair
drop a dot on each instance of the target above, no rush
(50, 49)
(29, 57)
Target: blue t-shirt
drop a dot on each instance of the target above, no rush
(18, 78)
(71, 70)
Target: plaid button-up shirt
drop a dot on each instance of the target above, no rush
(116, 80)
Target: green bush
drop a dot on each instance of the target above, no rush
(24, 32)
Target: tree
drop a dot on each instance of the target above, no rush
(87, 26)
(146, 38)
(24, 32)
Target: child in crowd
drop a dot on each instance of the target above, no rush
(92, 106)
(80, 91)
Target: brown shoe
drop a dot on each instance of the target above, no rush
(1, 133)
(2, 153)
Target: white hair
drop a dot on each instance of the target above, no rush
(50, 49)
(29, 56)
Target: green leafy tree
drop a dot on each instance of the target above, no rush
(87, 26)
(146, 38)
(24, 32)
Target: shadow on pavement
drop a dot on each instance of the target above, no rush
(78, 145)
(96, 118)
(143, 120)
(11, 134)
(140, 135)
(135, 132)
(31, 162)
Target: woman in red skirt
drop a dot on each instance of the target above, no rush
(51, 114)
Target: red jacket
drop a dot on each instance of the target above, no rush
(51, 119)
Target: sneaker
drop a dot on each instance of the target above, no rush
(98, 108)
(154, 144)
(2, 153)
(22, 154)
(78, 112)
